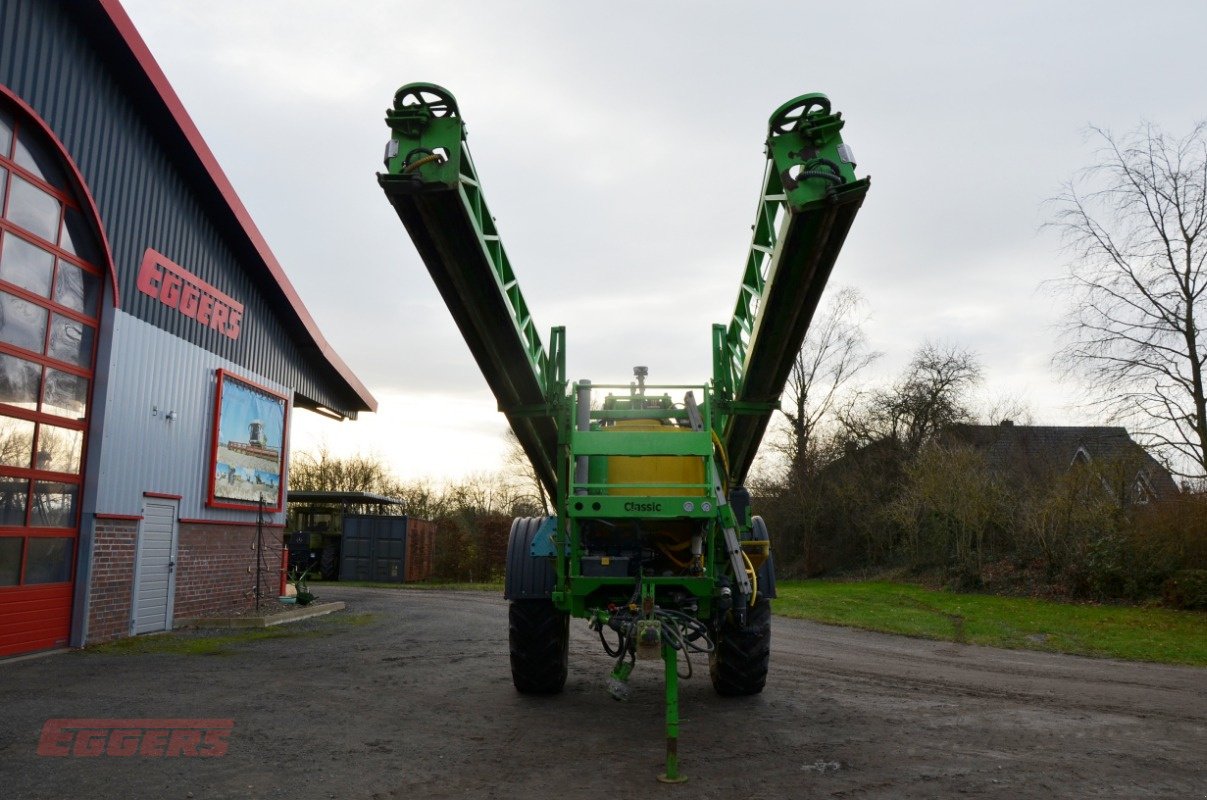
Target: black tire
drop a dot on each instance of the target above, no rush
(766, 571)
(527, 578)
(539, 636)
(329, 562)
(738, 665)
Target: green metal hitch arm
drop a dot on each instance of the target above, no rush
(431, 181)
(809, 199)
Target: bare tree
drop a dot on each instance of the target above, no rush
(1006, 407)
(325, 471)
(523, 478)
(834, 353)
(420, 499)
(930, 395)
(1135, 225)
(486, 494)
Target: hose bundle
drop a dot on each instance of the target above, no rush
(682, 632)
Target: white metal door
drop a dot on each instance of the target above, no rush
(155, 569)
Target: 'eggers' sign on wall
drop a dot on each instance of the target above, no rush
(176, 287)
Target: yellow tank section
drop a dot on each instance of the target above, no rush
(654, 469)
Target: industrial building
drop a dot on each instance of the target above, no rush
(152, 349)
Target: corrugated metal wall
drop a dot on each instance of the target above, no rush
(147, 190)
(142, 451)
(373, 548)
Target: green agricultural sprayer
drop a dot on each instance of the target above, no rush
(653, 541)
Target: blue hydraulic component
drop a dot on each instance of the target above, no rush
(542, 543)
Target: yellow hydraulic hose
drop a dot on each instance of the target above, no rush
(754, 579)
(419, 162)
(716, 440)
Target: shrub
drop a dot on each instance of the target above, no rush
(1071, 526)
(471, 547)
(1186, 589)
(951, 511)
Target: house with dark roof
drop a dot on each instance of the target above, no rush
(153, 350)
(1035, 454)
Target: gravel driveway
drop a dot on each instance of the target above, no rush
(407, 694)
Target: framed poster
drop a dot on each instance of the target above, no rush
(247, 455)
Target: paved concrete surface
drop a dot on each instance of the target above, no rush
(415, 701)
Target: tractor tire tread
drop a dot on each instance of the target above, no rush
(739, 663)
(539, 638)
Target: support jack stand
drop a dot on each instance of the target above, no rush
(670, 656)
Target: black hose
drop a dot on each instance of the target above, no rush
(825, 176)
(822, 168)
(608, 648)
(680, 631)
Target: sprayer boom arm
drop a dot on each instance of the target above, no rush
(809, 198)
(431, 182)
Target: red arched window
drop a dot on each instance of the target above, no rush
(50, 294)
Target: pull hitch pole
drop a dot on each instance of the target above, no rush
(647, 638)
(671, 657)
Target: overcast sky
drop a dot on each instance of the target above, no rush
(620, 148)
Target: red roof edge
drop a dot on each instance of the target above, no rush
(125, 26)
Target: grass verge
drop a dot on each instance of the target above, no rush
(224, 642)
(1137, 634)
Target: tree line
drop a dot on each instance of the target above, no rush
(878, 484)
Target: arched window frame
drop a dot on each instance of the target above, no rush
(42, 477)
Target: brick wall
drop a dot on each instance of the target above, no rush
(216, 569)
(215, 573)
(112, 579)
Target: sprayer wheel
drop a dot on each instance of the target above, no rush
(539, 635)
(738, 665)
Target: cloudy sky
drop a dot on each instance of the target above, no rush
(620, 148)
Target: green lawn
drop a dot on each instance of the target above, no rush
(1140, 634)
(1128, 632)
